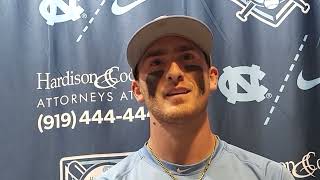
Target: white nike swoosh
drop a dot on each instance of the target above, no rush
(119, 10)
(182, 171)
(307, 84)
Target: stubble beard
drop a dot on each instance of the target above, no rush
(179, 114)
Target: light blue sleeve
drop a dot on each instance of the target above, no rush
(100, 178)
(286, 175)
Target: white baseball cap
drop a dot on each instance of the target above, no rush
(176, 25)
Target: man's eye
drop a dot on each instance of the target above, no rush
(155, 62)
(187, 56)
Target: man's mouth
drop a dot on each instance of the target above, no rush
(178, 91)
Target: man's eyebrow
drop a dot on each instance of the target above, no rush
(157, 52)
(184, 48)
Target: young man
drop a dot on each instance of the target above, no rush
(170, 57)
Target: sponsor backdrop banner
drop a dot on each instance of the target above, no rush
(67, 111)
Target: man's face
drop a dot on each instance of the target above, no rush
(174, 80)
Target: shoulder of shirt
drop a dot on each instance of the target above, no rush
(122, 168)
(268, 167)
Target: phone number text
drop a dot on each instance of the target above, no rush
(70, 119)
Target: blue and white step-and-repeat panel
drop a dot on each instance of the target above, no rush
(67, 111)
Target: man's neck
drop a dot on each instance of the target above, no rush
(183, 143)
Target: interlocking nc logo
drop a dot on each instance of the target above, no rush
(271, 12)
(232, 77)
(48, 10)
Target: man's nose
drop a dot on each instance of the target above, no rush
(175, 73)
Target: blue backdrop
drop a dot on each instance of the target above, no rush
(67, 111)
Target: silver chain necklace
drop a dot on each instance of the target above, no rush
(166, 170)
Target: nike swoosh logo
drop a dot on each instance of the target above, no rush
(307, 84)
(182, 171)
(119, 10)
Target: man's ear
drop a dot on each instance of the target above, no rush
(213, 78)
(137, 91)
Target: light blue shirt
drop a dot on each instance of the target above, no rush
(228, 163)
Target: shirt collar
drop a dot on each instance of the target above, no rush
(179, 169)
